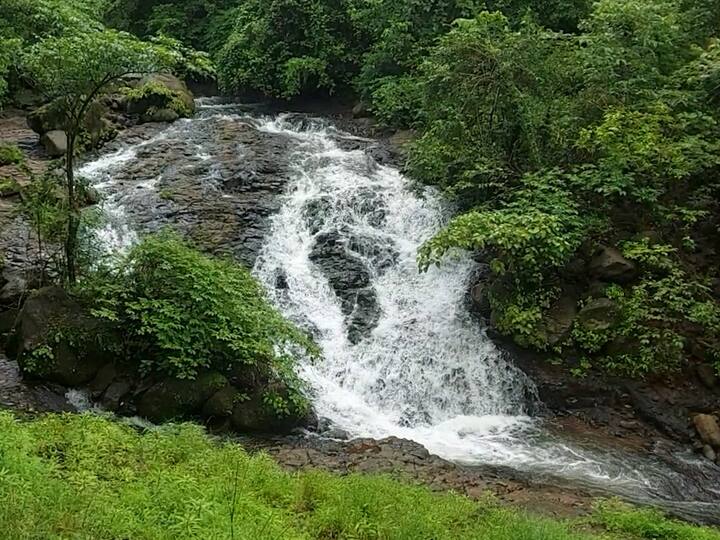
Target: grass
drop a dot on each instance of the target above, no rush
(87, 477)
(10, 155)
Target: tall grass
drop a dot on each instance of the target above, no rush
(87, 477)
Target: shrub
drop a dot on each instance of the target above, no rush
(181, 312)
(10, 155)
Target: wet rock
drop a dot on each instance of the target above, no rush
(598, 314)
(102, 380)
(176, 398)
(112, 399)
(708, 429)
(164, 115)
(222, 403)
(706, 374)
(55, 143)
(57, 340)
(361, 110)
(153, 101)
(609, 264)
(351, 280)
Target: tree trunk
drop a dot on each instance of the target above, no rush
(73, 212)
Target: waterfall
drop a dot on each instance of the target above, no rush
(401, 354)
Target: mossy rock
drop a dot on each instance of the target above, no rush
(158, 96)
(96, 129)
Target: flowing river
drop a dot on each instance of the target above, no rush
(402, 356)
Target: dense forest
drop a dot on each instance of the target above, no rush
(576, 142)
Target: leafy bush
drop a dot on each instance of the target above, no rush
(10, 155)
(158, 96)
(84, 476)
(182, 312)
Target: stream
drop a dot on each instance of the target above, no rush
(332, 231)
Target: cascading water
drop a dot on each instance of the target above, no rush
(422, 368)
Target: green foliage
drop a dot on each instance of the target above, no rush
(284, 48)
(160, 96)
(84, 476)
(646, 523)
(10, 154)
(183, 312)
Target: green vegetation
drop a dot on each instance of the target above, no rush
(182, 312)
(83, 476)
(10, 155)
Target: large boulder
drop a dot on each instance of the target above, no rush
(157, 96)
(598, 314)
(350, 278)
(177, 398)
(253, 415)
(55, 143)
(609, 264)
(51, 117)
(56, 339)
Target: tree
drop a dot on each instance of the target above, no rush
(74, 70)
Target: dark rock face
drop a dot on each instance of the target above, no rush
(350, 279)
(610, 265)
(598, 314)
(176, 398)
(55, 338)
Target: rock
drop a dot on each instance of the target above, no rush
(7, 320)
(708, 429)
(709, 453)
(13, 289)
(610, 265)
(55, 143)
(252, 415)
(102, 380)
(177, 398)
(57, 340)
(155, 97)
(51, 117)
(350, 279)
(481, 299)
(159, 116)
(222, 403)
(560, 318)
(401, 139)
(112, 400)
(706, 374)
(361, 110)
(598, 314)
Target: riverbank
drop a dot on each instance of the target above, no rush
(87, 477)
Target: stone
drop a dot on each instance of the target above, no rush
(598, 314)
(361, 110)
(53, 322)
(709, 453)
(609, 264)
(55, 143)
(706, 374)
(708, 429)
(7, 320)
(177, 398)
(222, 403)
(51, 117)
(160, 116)
(560, 318)
(102, 380)
(158, 101)
(112, 400)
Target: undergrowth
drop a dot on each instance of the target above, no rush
(87, 477)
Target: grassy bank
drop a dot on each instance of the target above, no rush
(85, 477)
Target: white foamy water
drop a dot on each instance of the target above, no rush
(427, 371)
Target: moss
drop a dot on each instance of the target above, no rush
(153, 95)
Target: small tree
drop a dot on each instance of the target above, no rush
(75, 70)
